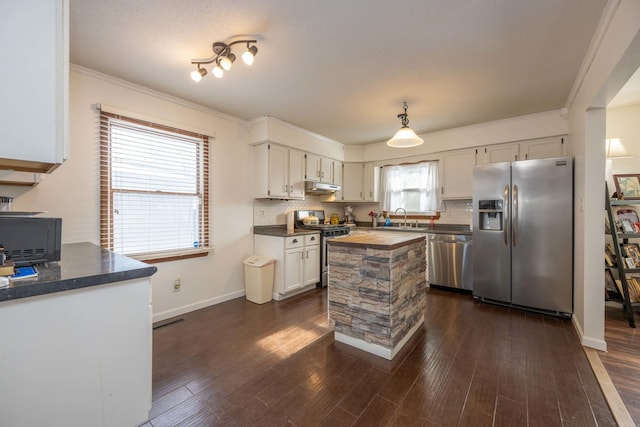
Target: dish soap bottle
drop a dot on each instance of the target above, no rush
(387, 222)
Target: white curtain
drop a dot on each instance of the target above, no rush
(412, 187)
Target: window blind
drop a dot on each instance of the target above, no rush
(153, 188)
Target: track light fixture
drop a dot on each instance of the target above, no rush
(405, 137)
(223, 59)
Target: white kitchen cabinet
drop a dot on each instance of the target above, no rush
(297, 266)
(498, 153)
(544, 148)
(34, 102)
(77, 358)
(456, 172)
(337, 178)
(319, 169)
(352, 181)
(279, 172)
(360, 182)
(371, 182)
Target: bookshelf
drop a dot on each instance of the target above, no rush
(620, 238)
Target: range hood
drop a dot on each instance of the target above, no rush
(311, 187)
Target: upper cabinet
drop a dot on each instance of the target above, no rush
(34, 102)
(279, 172)
(456, 167)
(498, 153)
(543, 148)
(360, 182)
(319, 169)
(456, 170)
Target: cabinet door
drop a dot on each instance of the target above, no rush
(544, 148)
(498, 153)
(352, 176)
(311, 265)
(371, 182)
(312, 167)
(337, 178)
(278, 171)
(293, 265)
(457, 171)
(296, 174)
(326, 170)
(34, 102)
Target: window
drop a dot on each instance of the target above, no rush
(153, 189)
(412, 187)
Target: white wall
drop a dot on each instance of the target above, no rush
(623, 123)
(550, 123)
(614, 56)
(72, 191)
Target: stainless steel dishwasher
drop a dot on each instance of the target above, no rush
(450, 261)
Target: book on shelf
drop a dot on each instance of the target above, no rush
(24, 273)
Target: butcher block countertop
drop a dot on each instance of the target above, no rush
(377, 240)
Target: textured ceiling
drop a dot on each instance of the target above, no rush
(343, 68)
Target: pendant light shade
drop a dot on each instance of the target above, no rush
(405, 137)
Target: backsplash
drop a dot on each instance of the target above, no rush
(270, 212)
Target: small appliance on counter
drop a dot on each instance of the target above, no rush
(28, 240)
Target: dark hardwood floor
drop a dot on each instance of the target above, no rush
(622, 359)
(276, 364)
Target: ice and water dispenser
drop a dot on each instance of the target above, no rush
(491, 214)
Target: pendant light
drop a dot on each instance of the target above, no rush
(405, 137)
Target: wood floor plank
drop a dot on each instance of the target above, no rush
(277, 364)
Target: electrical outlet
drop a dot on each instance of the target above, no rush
(176, 285)
(261, 212)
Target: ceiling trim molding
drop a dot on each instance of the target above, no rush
(608, 14)
(154, 93)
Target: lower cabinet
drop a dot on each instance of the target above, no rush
(297, 261)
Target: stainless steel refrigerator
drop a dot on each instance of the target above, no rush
(523, 234)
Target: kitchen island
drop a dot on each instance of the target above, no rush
(377, 290)
(75, 342)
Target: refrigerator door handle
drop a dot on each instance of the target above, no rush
(514, 212)
(505, 216)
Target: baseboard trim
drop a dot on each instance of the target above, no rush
(157, 317)
(377, 349)
(586, 341)
(616, 405)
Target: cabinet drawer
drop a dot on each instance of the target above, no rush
(293, 242)
(312, 239)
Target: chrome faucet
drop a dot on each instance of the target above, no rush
(405, 215)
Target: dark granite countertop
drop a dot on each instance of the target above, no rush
(81, 265)
(424, 228)
(281, 230)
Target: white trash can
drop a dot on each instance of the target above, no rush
(258, 278)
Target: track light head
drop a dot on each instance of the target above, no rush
(250, 54)
(227, 61)
(197, 75)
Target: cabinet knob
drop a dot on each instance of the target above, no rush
(295, 241)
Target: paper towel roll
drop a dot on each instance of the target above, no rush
(290, 222)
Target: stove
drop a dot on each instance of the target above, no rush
(327, 232)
